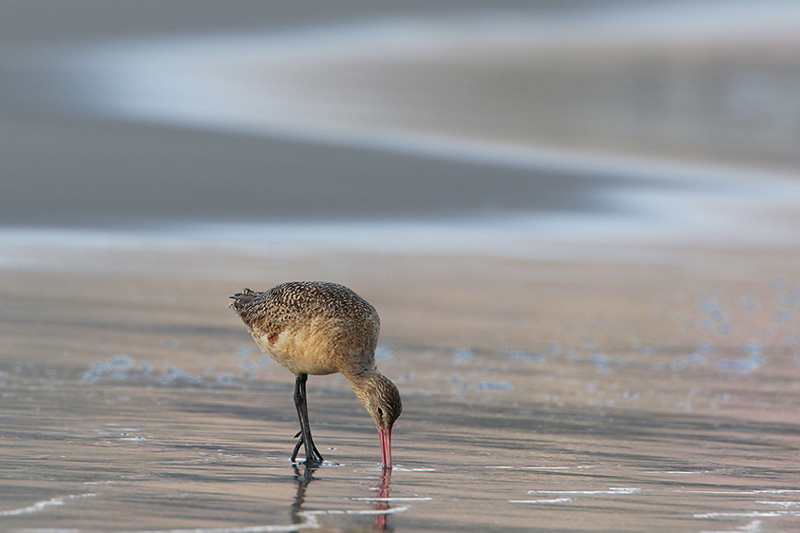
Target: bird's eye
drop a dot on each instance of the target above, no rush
(380, 411)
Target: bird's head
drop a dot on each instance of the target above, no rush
(382, 401)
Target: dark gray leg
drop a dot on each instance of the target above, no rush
(312, 454)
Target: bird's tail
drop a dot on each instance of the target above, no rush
(242, 299)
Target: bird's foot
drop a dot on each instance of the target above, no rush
(313, 457)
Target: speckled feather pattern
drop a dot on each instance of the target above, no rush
(312, 327)
(319, 327)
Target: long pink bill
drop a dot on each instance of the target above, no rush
(386, 446)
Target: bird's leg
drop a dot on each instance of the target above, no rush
(315, 455)
(297, 446)
(312, 454)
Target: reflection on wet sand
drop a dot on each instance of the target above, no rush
(303, 479)
(382, 503)
(309, 518)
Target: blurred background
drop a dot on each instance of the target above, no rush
(656, 119)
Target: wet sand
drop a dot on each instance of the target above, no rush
(539, 394)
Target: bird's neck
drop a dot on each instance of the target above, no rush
(363, 378)
(366, 382)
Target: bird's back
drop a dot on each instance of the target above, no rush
(312, 327)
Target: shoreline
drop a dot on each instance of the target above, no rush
(79, 250)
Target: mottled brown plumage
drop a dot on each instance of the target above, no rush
(317, 327)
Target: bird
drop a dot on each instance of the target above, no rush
(318, 328)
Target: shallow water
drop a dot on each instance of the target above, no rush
(139, 402)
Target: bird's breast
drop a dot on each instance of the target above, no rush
(302, 352)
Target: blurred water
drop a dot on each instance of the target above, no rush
(478, 86)
(662, 121)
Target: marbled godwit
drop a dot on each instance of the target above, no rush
(318, 327)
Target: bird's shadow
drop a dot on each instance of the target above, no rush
(304, 475)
